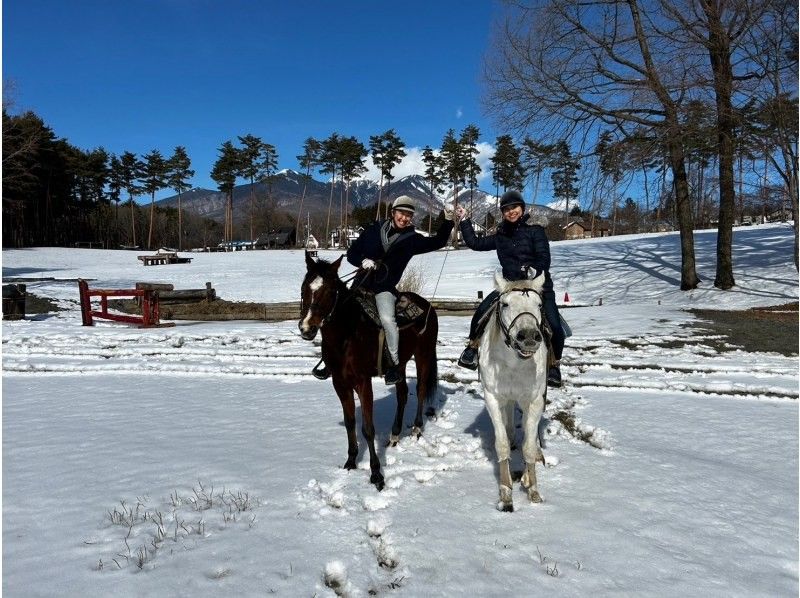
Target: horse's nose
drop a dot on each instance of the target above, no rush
(529, 336)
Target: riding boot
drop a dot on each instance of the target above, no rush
(469, 356)
(554, 376)
(321, 371)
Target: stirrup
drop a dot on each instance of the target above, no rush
(469, 358)
(554, 377)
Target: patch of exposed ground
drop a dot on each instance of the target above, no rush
(761, 329)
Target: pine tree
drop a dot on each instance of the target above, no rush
(565, 175)
(507, 169)
(329, 161)
(225, 171)
(469, 142)
(250, 155)
(154, 178)
(351, 155)
(309, 160)
(130, 175)
(179, 173)
(434, 173)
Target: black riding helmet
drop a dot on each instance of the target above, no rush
(512, 198)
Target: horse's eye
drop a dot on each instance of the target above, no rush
(503, 304)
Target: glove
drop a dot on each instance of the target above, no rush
(448, 213)
(531, 272)
(368, 264)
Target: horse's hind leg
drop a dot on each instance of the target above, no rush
(401, 388)
(349, 410)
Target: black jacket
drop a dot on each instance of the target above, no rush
(518, 246)
(393, 262)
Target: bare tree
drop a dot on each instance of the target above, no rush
(560, 67)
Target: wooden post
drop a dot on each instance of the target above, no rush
(86, 305)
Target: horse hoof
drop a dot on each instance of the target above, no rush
(350, 464)
(377, 479)
(535, 497)
(505, 507)
(430, 412)
(393, 440)
(416, 431)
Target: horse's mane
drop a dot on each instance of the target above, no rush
(534, 284)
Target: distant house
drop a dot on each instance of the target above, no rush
(277, 238)
(338, 235)
(580, 230)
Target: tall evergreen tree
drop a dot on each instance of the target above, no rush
(154, 179)
(131, 174)
(469, 143)
(507, 169)
(267, 166)
(250, 155)
(434, 173)
(224, 172)
(179, 173)
(565, 175)
(329, 162)
(352, 155)
(308, 161)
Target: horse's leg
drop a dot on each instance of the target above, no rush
(401, 389)
(502, 448)
(509, 411)
(364, 389)
(531, 450)
(349, 410)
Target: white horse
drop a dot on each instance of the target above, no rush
(513, 368)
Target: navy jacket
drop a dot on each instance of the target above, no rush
(392, 263)
(518, 246)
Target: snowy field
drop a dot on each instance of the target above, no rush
(204, 460)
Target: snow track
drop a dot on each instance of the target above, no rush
(682, 362)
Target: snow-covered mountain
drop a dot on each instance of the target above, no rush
(287, 189)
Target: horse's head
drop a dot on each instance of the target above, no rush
(519, 313)
(318, 295)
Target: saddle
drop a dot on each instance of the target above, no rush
(407, 311)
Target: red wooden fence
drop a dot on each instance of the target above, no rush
(148, 300)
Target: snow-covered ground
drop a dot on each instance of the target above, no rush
(203, 459)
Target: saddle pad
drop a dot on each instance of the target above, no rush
(406, 311)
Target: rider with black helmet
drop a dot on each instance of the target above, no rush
(520, 247)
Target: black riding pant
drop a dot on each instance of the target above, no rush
(480, 318)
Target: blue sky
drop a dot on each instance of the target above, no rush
(146, 74)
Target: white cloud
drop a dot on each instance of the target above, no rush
(459, 112)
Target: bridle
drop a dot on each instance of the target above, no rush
(313, 305)
(506, 330)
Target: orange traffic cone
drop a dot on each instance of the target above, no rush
(566, 297)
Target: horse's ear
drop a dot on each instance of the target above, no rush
(335, 265)
(538, 282)
(500, 283)
(310, 263)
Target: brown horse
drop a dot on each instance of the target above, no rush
(349, 348)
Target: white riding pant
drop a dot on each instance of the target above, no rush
(385, 302)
